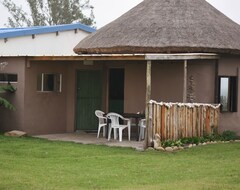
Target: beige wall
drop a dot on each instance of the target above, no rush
(45, 112)
(134, 87)
(167, 84)
(42, 112)
(10, 120)
(203, 73)
(228, 66)
(167, 81)
(51, 112)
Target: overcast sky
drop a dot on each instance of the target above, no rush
(107, 10)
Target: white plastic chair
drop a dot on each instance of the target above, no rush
(114, 117)
(102, 122)
(142, 125)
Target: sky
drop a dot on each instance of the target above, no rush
(106, 11)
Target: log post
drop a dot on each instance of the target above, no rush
(148, 97)
(185, 82)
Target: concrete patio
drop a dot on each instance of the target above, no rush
(91, 138)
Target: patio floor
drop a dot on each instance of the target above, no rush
(91, 138)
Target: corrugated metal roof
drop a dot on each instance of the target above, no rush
(15, 32)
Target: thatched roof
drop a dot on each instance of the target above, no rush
(166, 26)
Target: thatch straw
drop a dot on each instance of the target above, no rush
(166, 26)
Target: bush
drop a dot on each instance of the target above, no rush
(168, 143)
(186, 140)
(190, 140)
(196, 140)
(228, 135)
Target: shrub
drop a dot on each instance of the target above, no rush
(226, 136)
(186, 140)
(202, 140)
(195, 140)
(178, 143)
(229, 135)
(168, 143)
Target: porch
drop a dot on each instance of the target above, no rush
(91, 138)
(88, 83)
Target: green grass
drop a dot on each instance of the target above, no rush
(28, 163)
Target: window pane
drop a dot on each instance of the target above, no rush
(224, 93)
(233, 94)
(49, 82)
(4, 77)
(12, 77)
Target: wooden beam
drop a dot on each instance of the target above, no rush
(96, 57)
(148, 98)
(182, 56)
(185, 82)
(89, 57)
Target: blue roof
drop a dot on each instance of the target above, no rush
(14, 32)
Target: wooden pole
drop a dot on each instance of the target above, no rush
(185, 82)
(148, 97)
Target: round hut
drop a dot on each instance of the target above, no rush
(172, 51)
(166, 26)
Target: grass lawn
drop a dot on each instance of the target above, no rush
(28, 163)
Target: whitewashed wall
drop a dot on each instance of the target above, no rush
(49, 44)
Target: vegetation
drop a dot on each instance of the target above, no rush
(3, 101)
(229, 135)
(225, 136)
(28, 163)
(49, 12)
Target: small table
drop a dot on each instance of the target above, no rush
(137, 117)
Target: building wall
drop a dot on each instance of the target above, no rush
(52, 112)
(229, 66)
(201, 80)
(167, 81)
(167, 84)
(50, 44)
(45, 112)
(134, 87)
(13, 120)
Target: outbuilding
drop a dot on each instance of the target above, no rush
(40, 64)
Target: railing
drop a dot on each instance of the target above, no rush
(173, 121)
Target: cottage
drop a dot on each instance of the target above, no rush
(192, 49)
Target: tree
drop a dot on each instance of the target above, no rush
(49, 12)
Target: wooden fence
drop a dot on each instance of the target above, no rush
(173, 121)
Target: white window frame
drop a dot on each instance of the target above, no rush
(42, 83)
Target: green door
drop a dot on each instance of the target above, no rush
(89, 99)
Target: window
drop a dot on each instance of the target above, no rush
(5, 77)
(49, 82)
(228, 94)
